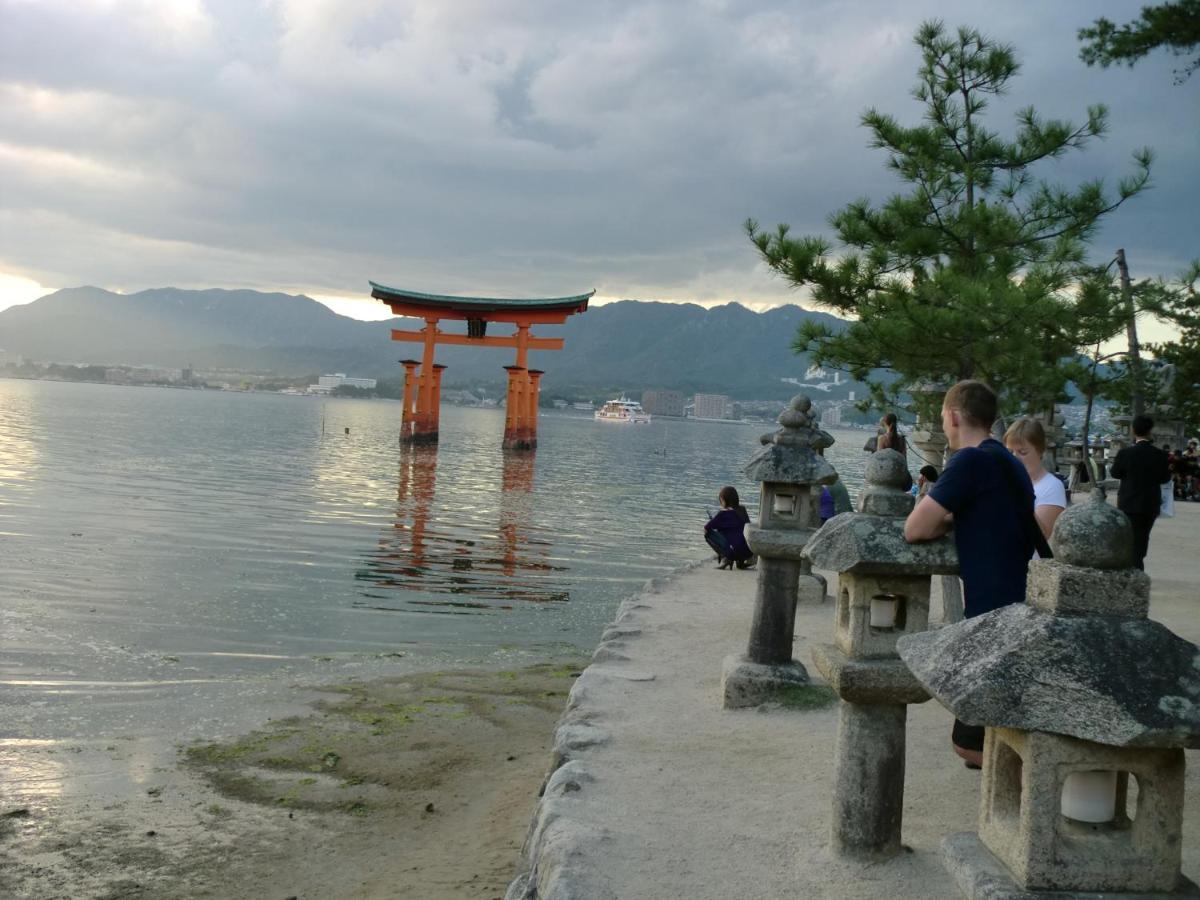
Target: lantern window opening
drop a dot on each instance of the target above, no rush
(1092, 800)
(784, 504)
(887, 612)
(1007, 797)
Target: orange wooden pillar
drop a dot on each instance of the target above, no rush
(407, 415)
(436, 410)
(513, 413)
(531, 406)
(425, 425)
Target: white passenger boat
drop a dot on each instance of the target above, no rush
(623, 410)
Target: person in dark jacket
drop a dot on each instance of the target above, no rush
(985, 494)
(725, 532)
(1143, 470)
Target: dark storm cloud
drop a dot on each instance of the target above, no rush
(515, 147)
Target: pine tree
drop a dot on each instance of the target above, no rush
(1175, 25)
(969, 273)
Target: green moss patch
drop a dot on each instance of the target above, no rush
(371, 744)
(806, 697)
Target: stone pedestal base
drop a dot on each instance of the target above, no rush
(980, 876)
(745, 683)
(868, 799)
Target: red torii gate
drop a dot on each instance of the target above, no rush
(422, 390)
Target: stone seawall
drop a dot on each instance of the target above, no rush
(560, 855)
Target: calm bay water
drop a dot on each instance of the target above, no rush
(168, 554)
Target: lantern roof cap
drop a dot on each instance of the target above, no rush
(861, 544)
(791, 454)
(1123, 681)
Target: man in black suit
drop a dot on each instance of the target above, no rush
(1143, 470)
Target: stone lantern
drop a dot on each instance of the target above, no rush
(882, 594)
(1084, 699)
(791, 471)
(928, 436)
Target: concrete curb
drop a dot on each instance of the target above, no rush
(560, 847)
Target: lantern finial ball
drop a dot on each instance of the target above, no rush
(1093, 535)
(887, 468)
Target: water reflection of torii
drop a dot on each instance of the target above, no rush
(515, 506)
(413, 555)
(417, 480)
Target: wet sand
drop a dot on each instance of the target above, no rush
(416, 786)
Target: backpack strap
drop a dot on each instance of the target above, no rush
(1029, 523)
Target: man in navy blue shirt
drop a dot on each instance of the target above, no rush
(986, 496)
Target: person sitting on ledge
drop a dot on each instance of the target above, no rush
(725, 532)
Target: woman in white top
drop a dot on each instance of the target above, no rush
(1026, 439)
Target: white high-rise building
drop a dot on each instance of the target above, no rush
(327, 383)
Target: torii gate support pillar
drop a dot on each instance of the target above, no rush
(515, 409)
(408, 414)
(531, 408)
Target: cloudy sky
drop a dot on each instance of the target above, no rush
(505, 147)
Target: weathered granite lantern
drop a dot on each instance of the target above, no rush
(928, 436)
(882, 594)
(792, 472)
(1084, 697)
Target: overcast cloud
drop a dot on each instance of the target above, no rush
(512, 148)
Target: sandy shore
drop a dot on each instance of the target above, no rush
(418, 786)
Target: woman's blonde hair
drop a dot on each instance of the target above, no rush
(1028, 430)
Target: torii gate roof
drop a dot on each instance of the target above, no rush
(479, 306)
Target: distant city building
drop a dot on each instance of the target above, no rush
(327, 383)
(142, 375)
(831, 416)
(663, 403)
(712, 406)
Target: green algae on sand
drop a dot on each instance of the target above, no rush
(370, 745)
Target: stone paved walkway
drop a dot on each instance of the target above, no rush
(668, 796)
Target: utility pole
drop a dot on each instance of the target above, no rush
(1136, 404)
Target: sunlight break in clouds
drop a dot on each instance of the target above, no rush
(15, 290)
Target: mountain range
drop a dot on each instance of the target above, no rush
(627, 345)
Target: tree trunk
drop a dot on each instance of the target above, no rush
(1136, 401)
